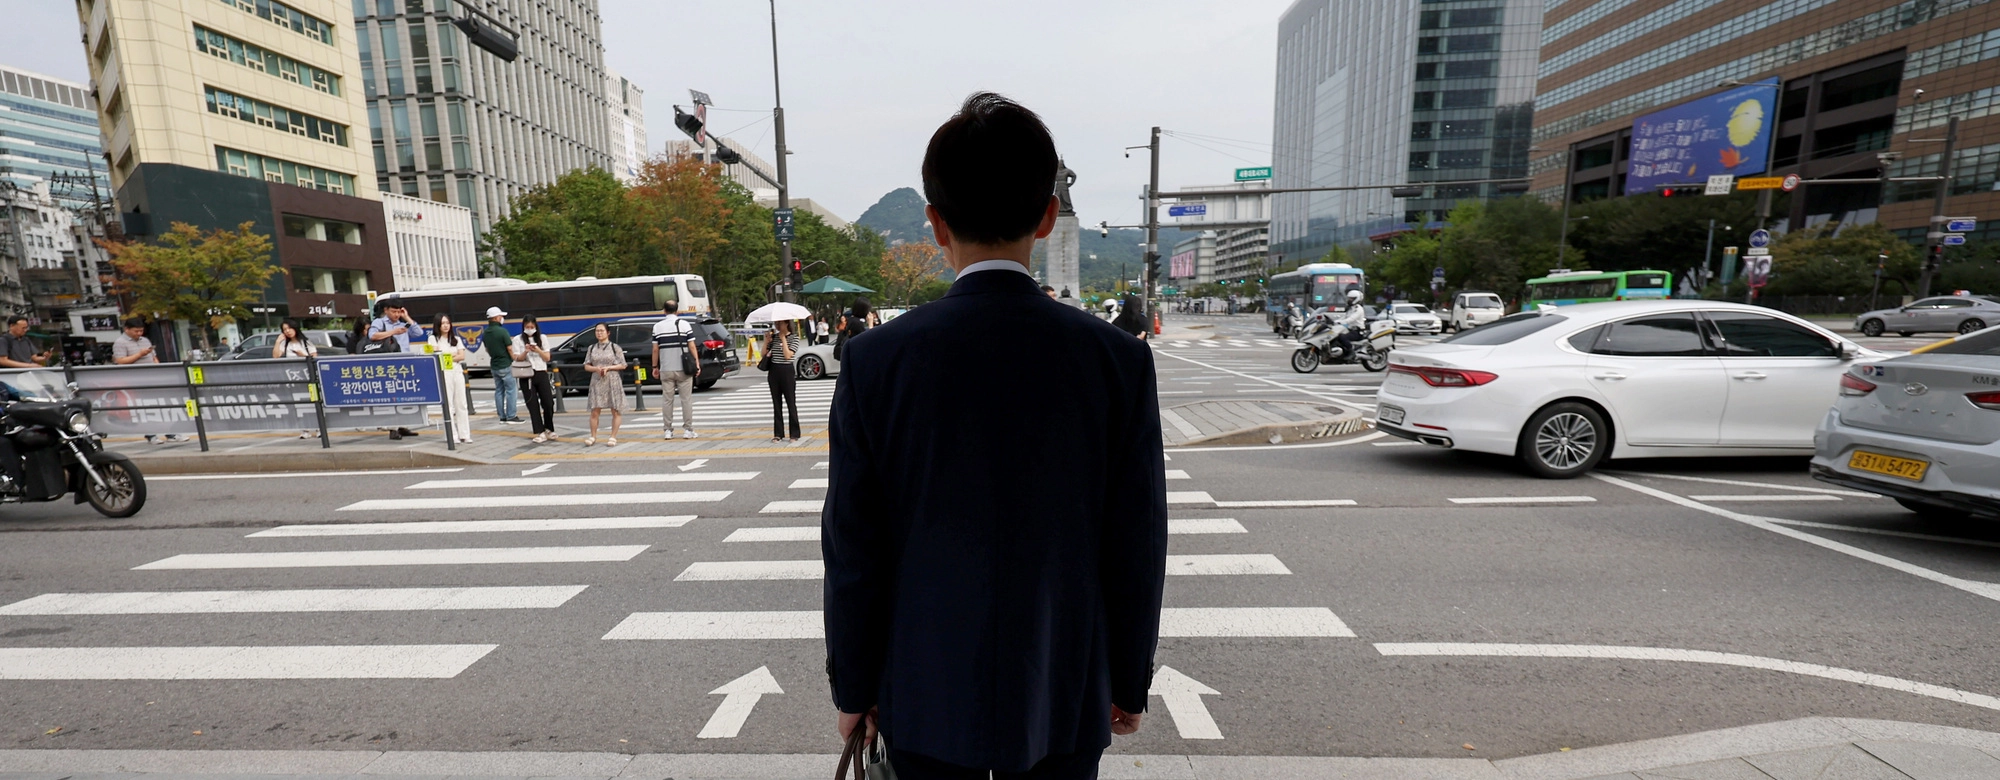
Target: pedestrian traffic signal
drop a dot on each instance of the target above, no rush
(1667, 193)
(798, 265)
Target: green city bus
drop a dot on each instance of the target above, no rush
(1566, 287)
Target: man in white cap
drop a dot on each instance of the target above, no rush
(506, 389)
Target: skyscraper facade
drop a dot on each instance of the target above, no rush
(628, 126)
(455, 124)
(48, 126)
(1374, 93)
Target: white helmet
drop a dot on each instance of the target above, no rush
(1354, 295)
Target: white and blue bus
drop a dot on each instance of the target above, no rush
(1312, 286)
(561, 308)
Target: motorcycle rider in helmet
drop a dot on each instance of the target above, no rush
(1352, 322)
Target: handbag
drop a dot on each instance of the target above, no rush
(870, 762)
(690, 364)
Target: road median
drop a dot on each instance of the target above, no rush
(1239, 422)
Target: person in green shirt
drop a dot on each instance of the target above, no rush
(506, 391)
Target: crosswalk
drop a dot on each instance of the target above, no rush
(747, 407)
(440, 564)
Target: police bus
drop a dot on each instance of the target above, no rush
(561, 309)
(1312, 286)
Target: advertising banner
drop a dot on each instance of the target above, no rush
(1723, 134)
(275, 395)
(1182, 265)
(381, 380)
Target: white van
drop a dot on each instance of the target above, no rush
(1473, 309)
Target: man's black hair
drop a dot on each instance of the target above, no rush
(14, 319)
(861, 307)
(135, 322)
(990, 170)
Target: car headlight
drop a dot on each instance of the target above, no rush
(78, 422)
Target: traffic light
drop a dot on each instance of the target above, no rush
(493, 41)
(727, 155)
(688, 123)
(798, 266)
(1667, 192)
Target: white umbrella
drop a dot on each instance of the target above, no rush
(773, 312)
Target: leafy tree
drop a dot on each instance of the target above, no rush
(207, 279)
(908, 268)
(679, 212)
(741, 272)
(1665, 234)
(580, 225)
(1495, 246)
(1829, 260)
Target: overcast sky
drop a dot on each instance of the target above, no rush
(866, 82)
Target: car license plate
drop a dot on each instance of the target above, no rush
(1900, 468)
(1390, 414)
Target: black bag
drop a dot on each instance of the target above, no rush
(765, 363)
(382, 347)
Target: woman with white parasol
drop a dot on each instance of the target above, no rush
(781, 348)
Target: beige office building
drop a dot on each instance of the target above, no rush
(261, 89)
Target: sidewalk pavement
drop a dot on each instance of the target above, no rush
(1256, 421)
(1804, 749)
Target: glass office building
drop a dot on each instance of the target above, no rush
(1846, 74)
(1374, 93)
(49, 126)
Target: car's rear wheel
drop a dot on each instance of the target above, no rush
(1932, 512)
(1563, 441)
(811, 367)
(698, 386)
(1971, 326)
(1871, 328)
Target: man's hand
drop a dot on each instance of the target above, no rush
(849, 720)
(1122, 723)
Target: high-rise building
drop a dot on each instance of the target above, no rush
(216, 113)
(1844, 90)
(628, 125)
(1425, 94)
(48, 126)
(455, 124)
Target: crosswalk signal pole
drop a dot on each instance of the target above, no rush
(1153, 224)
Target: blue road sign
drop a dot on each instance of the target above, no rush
(1961, 225)
(1188, 210)
(1954, 239)
(1760, 238)
(1437, 273)
(396, 379)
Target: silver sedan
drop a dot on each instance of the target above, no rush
(1940, 314)
(1920, 429)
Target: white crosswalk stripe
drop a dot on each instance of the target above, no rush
(476, 526)
(343, 558)
(340, 600)
(1174, 622)
(1197, 565)
(293, 662)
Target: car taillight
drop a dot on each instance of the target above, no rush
(1446, 377)
(1854, 386)
(1988, 400)
(713, 344)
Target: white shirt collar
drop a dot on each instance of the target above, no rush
(994, 265)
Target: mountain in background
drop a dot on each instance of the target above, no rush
(898, 216)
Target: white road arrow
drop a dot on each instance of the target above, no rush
(697, 463)
(538, 469)
(1183, 696)
(740, 696)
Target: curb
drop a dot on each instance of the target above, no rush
(1343, 422)
(321, 460)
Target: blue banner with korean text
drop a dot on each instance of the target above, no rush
(380, 380)
(1728, 133)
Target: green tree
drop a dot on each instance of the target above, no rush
(204, 279)
(1494, 246)
(1829, 259)
(680, 213)
(1664, 234)
(580, 225)
(741, 272)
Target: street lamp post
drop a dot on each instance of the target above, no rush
(792, 278)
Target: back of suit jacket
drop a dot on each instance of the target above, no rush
(995, 526)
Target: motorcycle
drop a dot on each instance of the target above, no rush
(60, 455)
(1318, 347)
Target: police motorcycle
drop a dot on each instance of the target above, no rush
(1319, 345)
(48, 426)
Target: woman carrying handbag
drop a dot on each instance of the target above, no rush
(606, 362)
(293, 344)
(445, 341)
(531, 367)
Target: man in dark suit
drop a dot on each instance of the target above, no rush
(995, 541)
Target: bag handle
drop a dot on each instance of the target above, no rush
(854, 752)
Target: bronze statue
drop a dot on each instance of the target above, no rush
(1064, 178)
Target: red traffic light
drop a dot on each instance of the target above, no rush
(798, 265)
(1667, 193)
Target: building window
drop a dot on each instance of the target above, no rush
(1422, 131)
(258, 166)
(287, 17)
(259, 112)
(329, 281)
(1468, 98)
(1465, 128)
(1427, 71)
(1469, 69)
(1458, 44)
(317, 229)
(1461, 158)
(1420, 161)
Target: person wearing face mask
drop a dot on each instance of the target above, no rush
(531, 368)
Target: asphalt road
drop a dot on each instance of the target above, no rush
(1784, 582)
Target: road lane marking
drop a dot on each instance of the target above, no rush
(1189, 497)
(1982, 589)
(441, 557)
(1340, 443)
(739, 697)
(323, 600)
(1204, 565)
(1182, 695)
(476, 526)
(591, 479)
(1743, 483)
(799, 484)
(291, 474)
(537, 469)
(1398, 444)
(1614, 652)
(1180, 423)
(1284, 504)
(1803, 497)
(821, 466)
(808, 507)
(506, 502)
(302, 662)
(693, 464)
(1212, 525)
(1525, 500)
(750, 571)
(1211, 367)
(1177, 474)
(801, 533)
(1247, 622)
(1884, 532)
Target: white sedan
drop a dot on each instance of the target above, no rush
(1568, 388)
(816, 361)
(1415, 318)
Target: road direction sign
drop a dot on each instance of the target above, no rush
(1253, 174)
(1791, 182)
(1760, 238)
(1759, 251)
(1954, 239)
(1188, 210)
(1437, 273)
(1182, 695)
(739, 697)
(783, 221)
(1719, 184)
(1961, 225)
(1760, 183)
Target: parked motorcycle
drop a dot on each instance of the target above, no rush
(60, 455)
(1318, 345)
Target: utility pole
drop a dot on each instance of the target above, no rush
(790, 275)
(1935, 256)
(1153, 223)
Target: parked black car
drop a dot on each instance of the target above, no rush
(718, 353)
